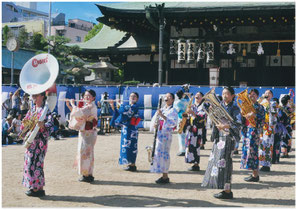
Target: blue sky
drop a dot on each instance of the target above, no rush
(83, 10)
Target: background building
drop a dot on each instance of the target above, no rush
(75, 29)
(24, 14)
(205, 43)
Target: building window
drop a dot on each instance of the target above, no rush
(60, 32)
(78, 39)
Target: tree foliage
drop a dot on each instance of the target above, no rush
(118, 75)
(23, 38)
(95, 30)
(38, 42)
(6, 34)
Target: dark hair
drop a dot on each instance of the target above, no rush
(180, 94)
(135, 94)
(285, 100)
(200, 93)
(173, 97)
(255, 91)
(44, 95)
(270, 91)
(202, 96)
(230, 89)
(276, 100)
(105, 95)
(92, 92)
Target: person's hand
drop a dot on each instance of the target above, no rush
(190, 111)
(72, 102)
(161, 114)
(40, 124)
(249, 115)
(111, 102)
(221, 126)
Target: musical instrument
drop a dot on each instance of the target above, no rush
(246, 106)
(28, 125)
(216, 112)
(182, 123)
(150, 149)
(263, 100)
(115, 100)
(38, 75)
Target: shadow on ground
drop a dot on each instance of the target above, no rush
(135, 201)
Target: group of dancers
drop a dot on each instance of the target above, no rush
(263, 143)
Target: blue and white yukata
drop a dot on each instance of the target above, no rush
(267, 138)
(129, 133)
(251, 138)
(161, 160)
(181, 107)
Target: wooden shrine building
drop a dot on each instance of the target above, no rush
(203, 43)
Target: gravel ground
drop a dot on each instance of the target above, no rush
(114, 187)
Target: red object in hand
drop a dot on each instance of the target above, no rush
(80, 104)
(95, 122)
(135, 121)
(89, 125)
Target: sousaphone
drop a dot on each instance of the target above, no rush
(39, 75)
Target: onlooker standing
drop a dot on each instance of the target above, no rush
(7, 105)
(25, 106)
(16, 102)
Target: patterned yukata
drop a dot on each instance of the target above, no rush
(282, 134)
(194, 134)
(267, 138)
(251, 138)
(127, 117)
(219, 170)
(33, 177)
(287, 141)
(161, 160)
(84, 120)
(181, 107)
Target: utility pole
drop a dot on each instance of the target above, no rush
(49, 24)
(12, 66)
(160, 8)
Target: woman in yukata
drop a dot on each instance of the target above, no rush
(33, 177)
(219, 170)
(167, 117)
(127, 118)
(84, 119)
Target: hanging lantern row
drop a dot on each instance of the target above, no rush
(233, 48)
(238, 20)
(187, 50)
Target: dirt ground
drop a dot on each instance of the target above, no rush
(114, 187)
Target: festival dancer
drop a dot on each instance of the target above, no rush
(181, 106)
(251, 138)
(267, 139)
(167, 117)
(219, 170)
(286, 122)
(127, 117)
(33, 177)
(84, 119)
(194, 132)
